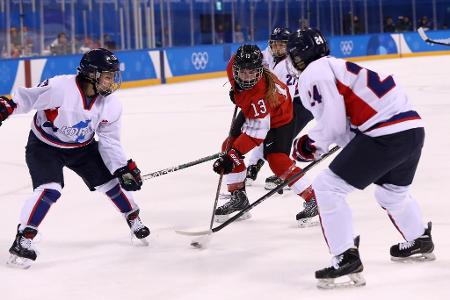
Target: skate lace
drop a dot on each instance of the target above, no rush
(136, 224)
(406, 245)
(336, 260)
(26, 243)
(236, 201)
(310, 206)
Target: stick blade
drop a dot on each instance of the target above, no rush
(194, 233)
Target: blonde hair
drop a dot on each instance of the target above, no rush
(271, 91)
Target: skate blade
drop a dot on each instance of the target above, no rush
(355, 280)
(224, 218)
(17, 262)
(271, 186)
(308, 222)
(138, 242)
(421, 257)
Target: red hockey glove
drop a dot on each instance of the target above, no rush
(129, 176)
(7, 107)
(228, 162)
(303, 149)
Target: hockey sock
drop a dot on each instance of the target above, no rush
(37, 206)
(120, 199)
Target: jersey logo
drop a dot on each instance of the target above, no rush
(79, 130)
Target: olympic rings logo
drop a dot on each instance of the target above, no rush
(199, 60)
(346, 47)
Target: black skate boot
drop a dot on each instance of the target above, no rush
(138, 229)
(238, 202)
(272, 182)
(22, 250)
(252, 171)
(346, 264)
(420, 249)
(309, 216)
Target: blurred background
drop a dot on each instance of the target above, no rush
(56, 27)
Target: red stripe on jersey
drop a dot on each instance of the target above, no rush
(355, 107)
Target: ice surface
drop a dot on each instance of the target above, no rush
(85, 251)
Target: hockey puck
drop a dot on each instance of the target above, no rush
(201, 242)
(196, 245)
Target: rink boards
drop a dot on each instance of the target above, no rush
(168, 65)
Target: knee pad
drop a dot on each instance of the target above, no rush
(107, 186)
(391, 196)
(331, 190)
(50, 192)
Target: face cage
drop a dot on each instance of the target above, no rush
(247, 84)
(110, 87)
(276, 54)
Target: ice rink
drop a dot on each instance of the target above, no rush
(85, 250)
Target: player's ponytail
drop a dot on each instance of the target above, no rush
(271, 91)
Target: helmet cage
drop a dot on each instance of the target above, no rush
(277, 52)
(245, 77)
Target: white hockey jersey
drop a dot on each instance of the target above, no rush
(281, 70)
(345, 97)
(65, 119)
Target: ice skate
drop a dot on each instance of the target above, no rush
(272, 182)
(348, 266)
(238, 202)
(252, 172)
(309, 216)
(22, 250)
(420, 249)
(138, 230)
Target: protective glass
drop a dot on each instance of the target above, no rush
(278, 48)
(108, 82)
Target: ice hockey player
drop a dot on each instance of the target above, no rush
(274, 59)
(71, 109)
(267, 118)
(381, 136)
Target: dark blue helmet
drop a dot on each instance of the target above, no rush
(247, 66)
(305, 46)
(102, 68)
(278, 41)
(280, 34)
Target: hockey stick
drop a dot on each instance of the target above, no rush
(180, 167)
(261, 199)
(200, 244)
(424, 36)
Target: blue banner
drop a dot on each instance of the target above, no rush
(136, 65)
(362, 45)
(416, 44)
(9, 70)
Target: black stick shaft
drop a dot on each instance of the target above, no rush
(180, 167)
(219, 184)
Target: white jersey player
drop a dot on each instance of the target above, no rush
(70, 110)
(381, 136)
